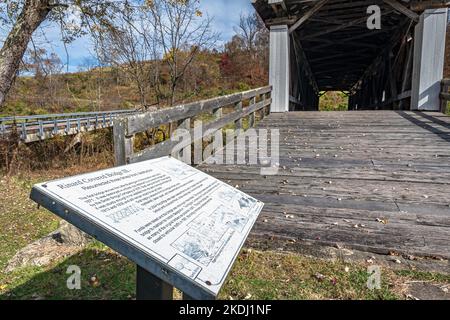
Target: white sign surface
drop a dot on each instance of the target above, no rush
(180, 216)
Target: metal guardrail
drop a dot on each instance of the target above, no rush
(41, 127)
(445, 94)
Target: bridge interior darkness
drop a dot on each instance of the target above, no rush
(331, 48)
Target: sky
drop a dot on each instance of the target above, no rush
(225, 13)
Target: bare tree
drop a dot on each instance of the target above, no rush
(248, 31)
(182, 32)
(23, 17)
(248, 51)
(130, 47)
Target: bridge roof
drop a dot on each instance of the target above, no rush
(334, 35)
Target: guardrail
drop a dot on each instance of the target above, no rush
(41, 127)
(225, 110)
(445, 94)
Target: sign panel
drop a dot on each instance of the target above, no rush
(180, 217)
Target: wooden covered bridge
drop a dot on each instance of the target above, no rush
(386, 54)
(376, 179)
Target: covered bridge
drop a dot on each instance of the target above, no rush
(387, 54)
(373, 180)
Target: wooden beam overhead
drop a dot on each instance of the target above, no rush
(430, 4)
(308, 15)
(336, 28)
(402, 9)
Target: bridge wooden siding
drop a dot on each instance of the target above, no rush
(378, 181)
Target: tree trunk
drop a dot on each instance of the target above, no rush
(34, 12)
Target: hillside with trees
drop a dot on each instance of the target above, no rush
(140, 60)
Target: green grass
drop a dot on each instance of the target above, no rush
(255, 275)
(424, 276)
(271, 275)
(333, 101)
(114, 278)
(21, 222)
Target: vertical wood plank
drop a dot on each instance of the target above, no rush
(119, 127)
(238, 123)
(123, 144)
(218, 113)
(251, 118)
(186, 153)
(262, 112)
(198, 142)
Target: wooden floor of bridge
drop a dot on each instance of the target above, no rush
(376, 181)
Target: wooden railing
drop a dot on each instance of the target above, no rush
(445, 94)
(223, 111)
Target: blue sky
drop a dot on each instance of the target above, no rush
(225, 13)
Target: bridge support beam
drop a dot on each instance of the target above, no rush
(429, 54)
(279, 74)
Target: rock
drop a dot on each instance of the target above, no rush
(64, 242)
(71, 236)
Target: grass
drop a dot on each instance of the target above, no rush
(333, 101)
(21, 222)
(255, 275)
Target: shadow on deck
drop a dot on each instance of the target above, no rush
(372, 181)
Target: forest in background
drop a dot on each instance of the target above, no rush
(124, 73)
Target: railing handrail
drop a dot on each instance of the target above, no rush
(63, 115)
(125, 128)
(41, 127)
(140, 122)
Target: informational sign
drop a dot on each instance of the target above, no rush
(182, 218)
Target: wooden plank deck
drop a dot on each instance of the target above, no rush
(345, 173)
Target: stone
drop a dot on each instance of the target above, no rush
(64, 242)
(71, 236)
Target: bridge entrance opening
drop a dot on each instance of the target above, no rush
(387, 54)
(333, 101)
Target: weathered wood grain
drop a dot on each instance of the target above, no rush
(375, 181)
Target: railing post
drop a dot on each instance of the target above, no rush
(24, 131)
(251, 118)
(198, 142)
(186, 154)
(123, 144)
(41, 130)
(55, 127)
(238, 122)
